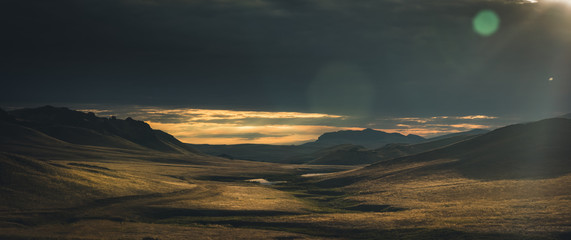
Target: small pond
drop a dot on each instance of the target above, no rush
(264, 181)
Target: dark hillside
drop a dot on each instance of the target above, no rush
(534, 150)
(87, 129)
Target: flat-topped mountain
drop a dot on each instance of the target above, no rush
(367, 138)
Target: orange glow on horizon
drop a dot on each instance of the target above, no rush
(211, 133)
(468, 126)
(211, 126)
(213, 114)
(215, 133)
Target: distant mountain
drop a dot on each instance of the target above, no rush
(533, 150)
(87, 129)
(568, 115)
(467, 133)
(339, 148)
(367, 138)
(349, 154)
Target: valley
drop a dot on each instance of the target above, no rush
(285, 120)
(55, 189)
(182, 201)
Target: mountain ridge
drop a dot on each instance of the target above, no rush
(470, 132)
(82, 128)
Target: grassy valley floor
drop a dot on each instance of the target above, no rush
(151, 200)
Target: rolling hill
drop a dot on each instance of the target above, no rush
(391, 151)
(522, 151)
(512, 179)
(472, 132)
(59, 158)
(57, 184)
(87, 129)
(348, 154)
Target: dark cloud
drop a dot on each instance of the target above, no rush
(420, 57)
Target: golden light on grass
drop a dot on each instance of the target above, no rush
(446, 199)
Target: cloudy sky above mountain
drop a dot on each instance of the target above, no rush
(210, 126)
(369, 63)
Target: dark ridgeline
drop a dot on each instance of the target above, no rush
(395, 150)
(568, 115)
(36, 143)
(472, 132)
(87, 129)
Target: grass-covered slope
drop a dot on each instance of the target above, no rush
(348, 154)
(533, 150)
(87, 129)
(540, 149)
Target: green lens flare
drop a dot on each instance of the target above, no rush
(486, 22)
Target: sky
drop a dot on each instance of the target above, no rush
(285, 71)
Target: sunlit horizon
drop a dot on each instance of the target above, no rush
(227, 127)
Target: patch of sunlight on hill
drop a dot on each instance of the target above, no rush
(233, 197)
(449, 201)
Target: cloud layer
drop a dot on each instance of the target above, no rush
(210, 126)
(398, 58)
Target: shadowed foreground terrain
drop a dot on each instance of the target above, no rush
(511, 183)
